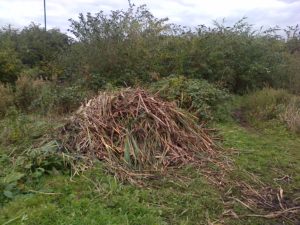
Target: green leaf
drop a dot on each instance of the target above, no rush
(12, 177)
(127, 151)
(39, 172)
(136, 151)
(28, 165)
(8, 194)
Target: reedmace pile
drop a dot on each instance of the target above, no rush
(136, 134)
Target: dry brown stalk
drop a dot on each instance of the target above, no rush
(137, 134)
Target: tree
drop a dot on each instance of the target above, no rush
(10, 64)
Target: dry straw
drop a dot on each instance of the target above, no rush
(137, 134)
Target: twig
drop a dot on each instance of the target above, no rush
(44, 193)
(276, 213)
(244, 204)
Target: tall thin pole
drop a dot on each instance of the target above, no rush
(45, 17)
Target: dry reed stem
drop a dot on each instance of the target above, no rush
(134, 131)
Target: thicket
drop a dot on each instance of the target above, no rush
(273, 105)
(128, 47)
(204, 100)
(132, 47)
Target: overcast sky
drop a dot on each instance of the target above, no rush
(185, 12)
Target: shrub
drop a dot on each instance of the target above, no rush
(26, 91)
(6, 98)
(197, 96)
(15, 127)
(10, 65)
(270, 104)
(291, 115)
(32, 73)
(44, 103)
(37, 95)
(265, 104)
(68, 99)
(292, 69)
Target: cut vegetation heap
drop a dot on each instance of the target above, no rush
(137, 134)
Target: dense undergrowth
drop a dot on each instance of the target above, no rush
(132, 48)
(204, 100)
(270, 104)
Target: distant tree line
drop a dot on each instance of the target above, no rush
(132, 47)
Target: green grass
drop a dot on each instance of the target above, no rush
(98, 198)
(269, 152)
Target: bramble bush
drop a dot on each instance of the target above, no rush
(68, 99)
(203, 99)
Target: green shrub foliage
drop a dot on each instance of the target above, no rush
(37, 95)
(198, 96)
(6, 99)
(10, 63)
(126, 47)
(133, 47)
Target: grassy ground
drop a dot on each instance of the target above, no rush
(52, 197)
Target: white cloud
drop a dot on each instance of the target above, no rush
(185, 12)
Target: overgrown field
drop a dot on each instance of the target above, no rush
(50, 195)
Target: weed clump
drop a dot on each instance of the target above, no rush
(6, 99)
(266, 104)
(137, 134)
(291, 115)
(273, 105)
(27, 90)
